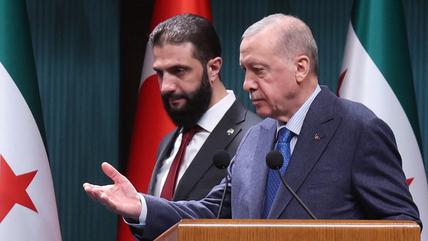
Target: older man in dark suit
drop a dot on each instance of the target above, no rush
(338, 156)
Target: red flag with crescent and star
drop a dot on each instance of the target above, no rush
(151, 121)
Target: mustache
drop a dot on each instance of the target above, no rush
(253, 95)
(174, 96)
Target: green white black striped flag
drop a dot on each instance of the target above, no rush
(377, 72)
(27, 201)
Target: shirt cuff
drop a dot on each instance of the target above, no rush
(143, 215)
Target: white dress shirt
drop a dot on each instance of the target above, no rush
(208, 122)
(296, 121)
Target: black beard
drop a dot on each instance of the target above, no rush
(196, 105)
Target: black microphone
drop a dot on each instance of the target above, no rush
(221, 160)
(274, 160)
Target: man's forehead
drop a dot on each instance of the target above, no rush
(174, 55)
(174, 50)
(256, 46)
(246, 47)
(187, 45)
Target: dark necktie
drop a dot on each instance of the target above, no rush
(171, 179)
(273, 180)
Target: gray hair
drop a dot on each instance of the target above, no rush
(296, 36)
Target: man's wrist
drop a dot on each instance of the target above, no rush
(140, 220)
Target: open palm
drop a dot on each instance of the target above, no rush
(121, 196)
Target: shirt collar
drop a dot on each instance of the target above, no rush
(296, 121)
(215, 113)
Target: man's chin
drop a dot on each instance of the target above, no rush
(183, 119)
(176, 109)
(263, 112)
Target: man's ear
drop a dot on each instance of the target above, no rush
(213, 68)
(302, 63)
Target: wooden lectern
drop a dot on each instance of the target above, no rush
(291, 230)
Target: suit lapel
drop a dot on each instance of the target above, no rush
(164, 151)
(318, 128)
(256, 184)
(219, 139)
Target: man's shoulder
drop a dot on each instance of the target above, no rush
(239, 111)
(345, 108)
(265, 124)
(354, 110)
(251, 118)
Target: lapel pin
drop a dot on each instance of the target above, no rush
(317, 137)
(230, 131)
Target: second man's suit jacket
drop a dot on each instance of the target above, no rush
(201, 176)
(345, 165)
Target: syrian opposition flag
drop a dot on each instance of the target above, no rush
(27, 201)
(377, 72)
(151, 121)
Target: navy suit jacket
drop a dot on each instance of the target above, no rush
(352, 171)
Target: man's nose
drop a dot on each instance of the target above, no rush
(249, 83)
(167, 83)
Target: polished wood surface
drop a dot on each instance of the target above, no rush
(292, 230)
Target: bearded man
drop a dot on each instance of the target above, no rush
(209, 118)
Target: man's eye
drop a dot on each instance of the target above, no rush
(178, 71)
(159, 74)
(260, 72)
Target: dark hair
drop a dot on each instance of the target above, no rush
(189, 28)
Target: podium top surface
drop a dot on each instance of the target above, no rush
(292, 230)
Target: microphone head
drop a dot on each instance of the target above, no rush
(221, 159)
(274, 160)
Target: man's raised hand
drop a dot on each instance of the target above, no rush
(121, 196)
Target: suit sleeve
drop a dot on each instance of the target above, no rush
(162, 214)
(377, 175)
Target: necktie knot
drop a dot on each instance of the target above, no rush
(284, 135)
(188, 134)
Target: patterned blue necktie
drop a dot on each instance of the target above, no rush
(273, 180)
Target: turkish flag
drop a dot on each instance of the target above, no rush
(152, 122)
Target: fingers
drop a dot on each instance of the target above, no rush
(94, 191)
(120, 197)
(112, 173)
(103, 195)
(114, 199)
(89, 189)
(100, 194)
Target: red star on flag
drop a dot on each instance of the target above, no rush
(13, 189)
